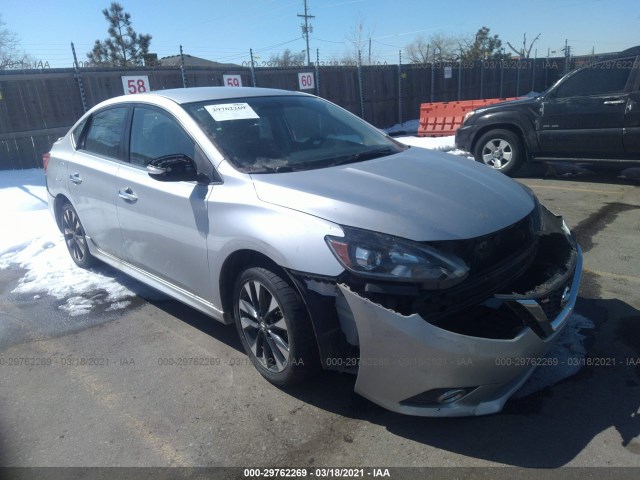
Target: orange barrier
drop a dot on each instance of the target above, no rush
(443, 118)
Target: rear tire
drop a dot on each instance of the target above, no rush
(274, 327)
(75, 238)
(501, 150)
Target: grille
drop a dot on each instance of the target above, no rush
(484, 252)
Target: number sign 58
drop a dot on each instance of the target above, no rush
(133, 85)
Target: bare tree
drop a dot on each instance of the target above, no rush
(124, 47)
(524, 52)
(11, 57)
(358, 40)
(437, 47)
(288, 59)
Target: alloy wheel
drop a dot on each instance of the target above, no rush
(74, 235)
(263, 326)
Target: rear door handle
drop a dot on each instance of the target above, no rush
(619, 101)
(75, 178)
(127, 195)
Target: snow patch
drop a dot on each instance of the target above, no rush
(33, 242)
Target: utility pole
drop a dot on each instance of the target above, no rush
(567, 55)
(306, 29)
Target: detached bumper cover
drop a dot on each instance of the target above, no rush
(406, 362)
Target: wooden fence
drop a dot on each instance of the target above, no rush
(38, 106)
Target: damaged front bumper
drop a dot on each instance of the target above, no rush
(411, 366)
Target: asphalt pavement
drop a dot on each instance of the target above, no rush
(159, 384)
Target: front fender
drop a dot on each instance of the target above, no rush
(524, 121)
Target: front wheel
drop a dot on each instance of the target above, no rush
(501, 150)
(274, 327)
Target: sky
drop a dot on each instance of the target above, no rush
(224, 31)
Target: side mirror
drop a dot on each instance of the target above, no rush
(173, 168)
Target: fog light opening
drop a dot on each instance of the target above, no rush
(451, 396)
(438, 397)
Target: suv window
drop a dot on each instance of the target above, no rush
(156, 134)
(598, 79)
(105, 132)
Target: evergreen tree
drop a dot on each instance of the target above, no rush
(124, 47)
(485, 47)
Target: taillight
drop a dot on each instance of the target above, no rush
(45, 160)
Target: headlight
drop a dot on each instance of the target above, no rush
(384, 257)
(468, 116)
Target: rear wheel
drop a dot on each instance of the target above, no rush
(274, 327)
(74, 237)
(501, 150)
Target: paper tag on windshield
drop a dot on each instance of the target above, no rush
(231, 111)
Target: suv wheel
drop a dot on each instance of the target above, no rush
(501, 150)
(274, 327)
(74, 237)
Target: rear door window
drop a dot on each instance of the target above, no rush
(105, 133)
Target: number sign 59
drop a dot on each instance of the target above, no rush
(232, 80)
(133, 85)
(306, 81)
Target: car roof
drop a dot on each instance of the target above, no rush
(200, 94)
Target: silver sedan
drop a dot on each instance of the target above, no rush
(437, 281)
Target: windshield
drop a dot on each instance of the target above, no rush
(288, 133)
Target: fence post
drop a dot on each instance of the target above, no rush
(360, 84)
(400, 87)
(317, 71)
(253, 72)
(433, 77)
(533, 72)
(460, 76)
(481, 78)
(501, 75)
(184, 78)
(78, 78)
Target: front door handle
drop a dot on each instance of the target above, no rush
(127, 195)
(614, 102)
(75, 178)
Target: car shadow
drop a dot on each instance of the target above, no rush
(617, 174)
(545, 429)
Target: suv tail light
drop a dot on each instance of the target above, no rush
(45, 160)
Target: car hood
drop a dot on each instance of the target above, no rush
(516, 104)
(416, 194)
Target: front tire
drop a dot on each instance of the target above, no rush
(274, 327)
(501, 150)
(75, 238)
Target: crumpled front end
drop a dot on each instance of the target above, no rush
(469, 358)
(460, 350)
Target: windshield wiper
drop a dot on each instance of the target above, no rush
(367, 155)
(280, 169)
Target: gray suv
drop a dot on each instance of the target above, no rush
(437, 281)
